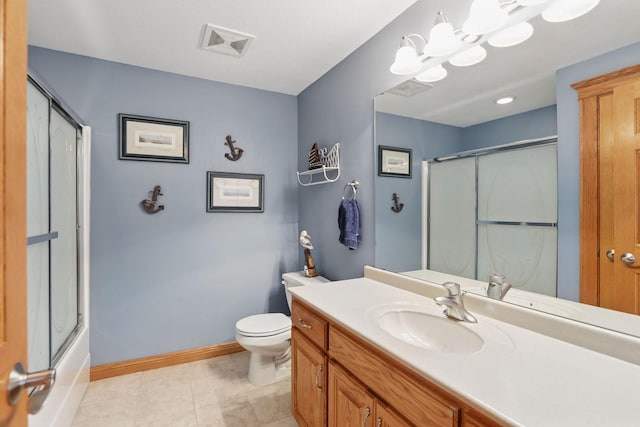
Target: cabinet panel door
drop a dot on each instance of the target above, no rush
(386, 417)
(308, 385)
(350, 404)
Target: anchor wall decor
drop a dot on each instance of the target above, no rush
(150, 205)
(236, 152)
(397, 206)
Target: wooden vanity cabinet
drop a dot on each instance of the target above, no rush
(352, 405)
(339, 379)
(308, 367)
(308, 382)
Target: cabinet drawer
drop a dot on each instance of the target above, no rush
(384, 377)
(310, 323)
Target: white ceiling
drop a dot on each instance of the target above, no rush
(296, 41)
(527, 71)
(299, 41)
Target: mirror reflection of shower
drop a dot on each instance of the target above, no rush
(494, 211)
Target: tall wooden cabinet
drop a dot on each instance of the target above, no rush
(341, 380)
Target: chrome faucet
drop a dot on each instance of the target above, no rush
(453, 304)
(497, 289)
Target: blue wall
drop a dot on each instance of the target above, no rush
(181, 278)
(529, 125)
(338, 107)
(569, 160)
(399, 235)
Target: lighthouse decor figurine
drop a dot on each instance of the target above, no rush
(309, 265)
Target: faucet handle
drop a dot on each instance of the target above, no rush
(453, 288)
(497, 278)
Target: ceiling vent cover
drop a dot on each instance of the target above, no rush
(410, 88)
(225, 41)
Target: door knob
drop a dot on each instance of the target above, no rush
(19, 380)
(628, 258)
(611, 254)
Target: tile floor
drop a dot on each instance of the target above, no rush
(212, 393)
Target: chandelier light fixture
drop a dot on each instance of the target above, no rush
(501, 23)
(471, 56)
(433, 74)
(442, 38)
(511, 36)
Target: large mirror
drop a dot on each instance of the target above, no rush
(459, 114)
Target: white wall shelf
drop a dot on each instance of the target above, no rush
(328, 172)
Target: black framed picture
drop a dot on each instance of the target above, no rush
(235, 192)
(153, 139)
(394, 161)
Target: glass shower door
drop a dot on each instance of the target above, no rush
(63, 214)
(52, 242)
(38, 229)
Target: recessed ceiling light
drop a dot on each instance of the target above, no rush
(505, 100)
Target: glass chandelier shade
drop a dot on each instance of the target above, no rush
(530, 2)
(442, 38)
(566, 10)
(471, 56)
(407, 61)
(511, 36)
(485, 16)
(433, 74)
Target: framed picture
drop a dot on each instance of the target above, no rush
(235, 192)
(394, 161)
(153, 139)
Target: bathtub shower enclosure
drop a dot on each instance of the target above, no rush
(494, 210)
(57, 251)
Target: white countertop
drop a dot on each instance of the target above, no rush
(599, 316)
(520, 376)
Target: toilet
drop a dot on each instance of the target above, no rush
(268, 336)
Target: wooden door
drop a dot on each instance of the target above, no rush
(621, 293)
(350, 404)
(13, 109)
(610, 186)
(308, 382)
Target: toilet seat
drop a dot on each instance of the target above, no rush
(263, 325)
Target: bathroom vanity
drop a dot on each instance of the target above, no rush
(368, 353)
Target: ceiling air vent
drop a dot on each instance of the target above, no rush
(225, 41)
(410, 88)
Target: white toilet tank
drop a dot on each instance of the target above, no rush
(298, 278)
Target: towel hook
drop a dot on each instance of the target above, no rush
(354, 188)
(397, 206)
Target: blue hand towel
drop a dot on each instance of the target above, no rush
(349, 223)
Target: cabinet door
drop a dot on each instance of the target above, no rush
(308, 382)
(350, 404)
(386, 417)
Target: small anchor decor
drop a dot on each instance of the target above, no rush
(397, 207)
(150, 205)
(236, 152)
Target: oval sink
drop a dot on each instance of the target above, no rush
(421, 328)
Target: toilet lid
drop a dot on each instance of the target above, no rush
(260, 325)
